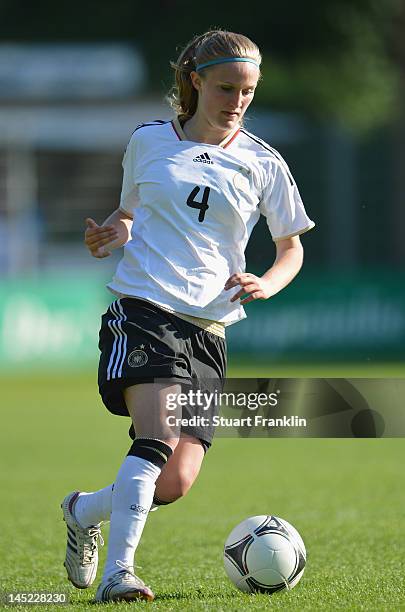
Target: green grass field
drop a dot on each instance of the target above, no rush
(346, 497)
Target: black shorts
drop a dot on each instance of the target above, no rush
(140, 343)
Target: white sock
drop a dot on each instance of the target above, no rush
(93, 508)
(131, 500)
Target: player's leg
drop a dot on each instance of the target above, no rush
(180, 472)
(174, 481)
(92, 508)
(88, 510)
(134, 488)
(131, 323)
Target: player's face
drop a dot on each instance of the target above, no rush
(225, 92)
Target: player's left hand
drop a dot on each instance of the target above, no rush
(252, 287)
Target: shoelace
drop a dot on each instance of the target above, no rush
(90, 544)
(128, 569)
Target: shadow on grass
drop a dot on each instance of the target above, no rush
(194, 595)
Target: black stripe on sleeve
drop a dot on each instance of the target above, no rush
(155, 122)
(273, 151)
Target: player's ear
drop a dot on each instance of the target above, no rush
(195, 80)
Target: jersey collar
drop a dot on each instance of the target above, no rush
(224, 143)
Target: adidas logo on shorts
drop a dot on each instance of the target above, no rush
(203, 158)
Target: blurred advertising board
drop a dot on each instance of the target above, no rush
(55, 321)
(329, 315)
(52, 321)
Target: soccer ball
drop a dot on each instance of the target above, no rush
(264, 554)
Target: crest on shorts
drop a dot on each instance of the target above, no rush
(137, 358)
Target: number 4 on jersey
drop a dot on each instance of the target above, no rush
(201, 206)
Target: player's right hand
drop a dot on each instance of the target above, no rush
(97, 236)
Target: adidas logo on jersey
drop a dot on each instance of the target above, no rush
(203, 158)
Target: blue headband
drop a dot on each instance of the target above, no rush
(225, 60)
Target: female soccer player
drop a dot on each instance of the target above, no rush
(193, 189)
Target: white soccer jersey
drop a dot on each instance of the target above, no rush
(194, 206)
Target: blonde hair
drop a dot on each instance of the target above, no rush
(211, 45)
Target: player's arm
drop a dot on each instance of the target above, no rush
(112, 234)
(287, 264)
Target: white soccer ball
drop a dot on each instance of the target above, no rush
(264, 554)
